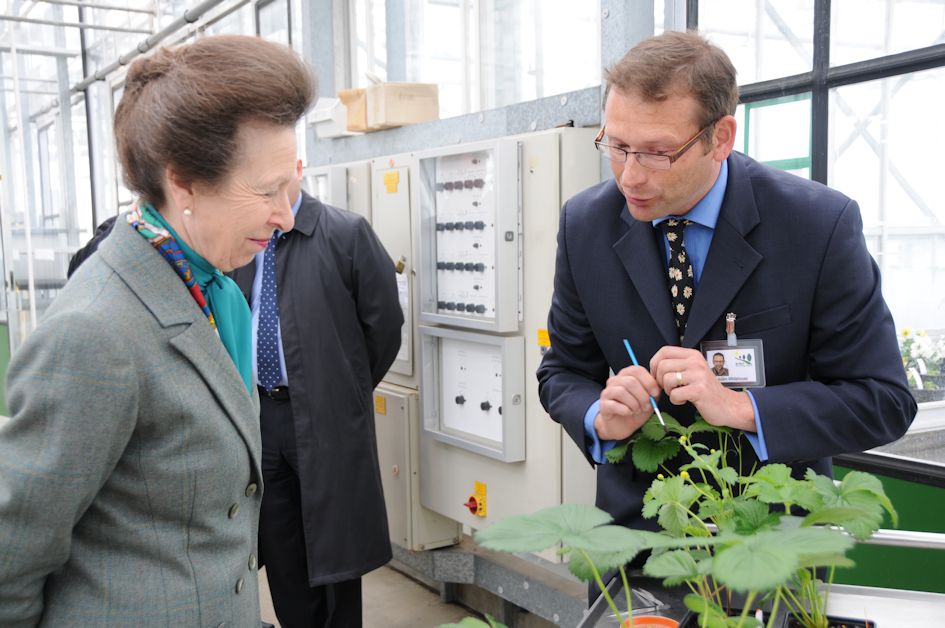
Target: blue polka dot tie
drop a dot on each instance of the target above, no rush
(267, 339)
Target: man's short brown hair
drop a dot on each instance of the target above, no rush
(674, 64)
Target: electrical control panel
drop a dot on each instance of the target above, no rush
(393, 223)
(488, 449)
(476, 391)
(397, 421)
(346, 186)
(470, 236)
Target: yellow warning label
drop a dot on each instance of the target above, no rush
(380, 404)
(543, 339)
(479, 491)
(391, 181)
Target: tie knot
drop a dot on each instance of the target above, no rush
(673, 228)
(674, 225)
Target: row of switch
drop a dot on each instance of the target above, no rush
(468, 184)
(461, 307)
(479, 268)
(459, 226)
(485, 406)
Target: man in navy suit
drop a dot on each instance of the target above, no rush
(785, 255)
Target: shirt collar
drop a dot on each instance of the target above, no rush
(706, 211)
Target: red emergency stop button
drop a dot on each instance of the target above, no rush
(472, 504)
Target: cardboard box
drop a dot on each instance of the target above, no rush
(329, 117)
(355, 101)
(388, 105)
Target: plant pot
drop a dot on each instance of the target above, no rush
(691, 620)
(650, 621)
(924, 396)
(835, 622)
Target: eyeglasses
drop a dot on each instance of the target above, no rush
(654, 161)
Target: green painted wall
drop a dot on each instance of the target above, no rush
(921, 508)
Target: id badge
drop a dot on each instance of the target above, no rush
(736, 362)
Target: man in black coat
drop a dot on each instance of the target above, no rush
(323, 523)
(101, 232)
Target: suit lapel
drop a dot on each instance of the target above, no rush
(731, 259)
(159, 288)
(643, 261)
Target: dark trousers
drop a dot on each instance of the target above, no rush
(282, 535)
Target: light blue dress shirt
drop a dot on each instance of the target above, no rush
(254, 307)
(698, 237)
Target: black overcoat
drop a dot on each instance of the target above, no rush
(341, 320)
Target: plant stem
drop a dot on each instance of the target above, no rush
(603, 589)
(626, 589)
(798, 609)
(774, 608)
(833, 569)
(748, 603)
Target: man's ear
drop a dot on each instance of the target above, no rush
(724, 138)
(298, 169)
(179, 193)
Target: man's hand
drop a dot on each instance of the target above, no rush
(685, 375)
(625, 403)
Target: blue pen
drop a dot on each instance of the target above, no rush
(633, 358)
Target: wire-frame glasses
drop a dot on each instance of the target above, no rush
(654, 161)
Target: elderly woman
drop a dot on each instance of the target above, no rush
(129, 471)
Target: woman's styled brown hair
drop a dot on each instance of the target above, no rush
(675, 63)
(182, 107)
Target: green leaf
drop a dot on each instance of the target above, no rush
(810, 541)
(826, 560)
(580, 563)
(674, 497)
(752, 516)
(773, 484)
(618, 453)
(859, 491)
(543, 529)
(649, 455)
(838, 515)
(710, 614)
(700, 425)
(775, 474)
(728, 475)
(674, 518)
(608, 538)
(759, 563)
(580, 566)
(862, 484)
(676, 567)
(654, 431)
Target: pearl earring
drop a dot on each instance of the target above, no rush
(187, 212)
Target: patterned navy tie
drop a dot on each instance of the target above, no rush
(268, 370)
(679, 274)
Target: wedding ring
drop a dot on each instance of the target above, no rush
(679, 379)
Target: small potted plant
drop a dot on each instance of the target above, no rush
(737, 541)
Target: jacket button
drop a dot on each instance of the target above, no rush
(252, 562)
(234, 509)
(251, 489)
(239, 586)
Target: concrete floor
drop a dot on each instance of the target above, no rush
(391, 599)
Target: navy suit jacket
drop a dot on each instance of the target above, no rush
(788, 257)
